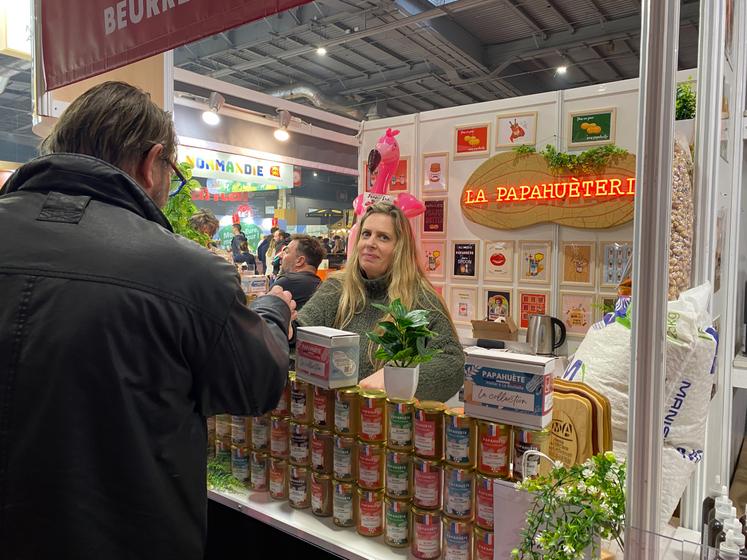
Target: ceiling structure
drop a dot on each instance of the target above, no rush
(393, 57)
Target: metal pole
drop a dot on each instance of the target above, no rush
(659, 41)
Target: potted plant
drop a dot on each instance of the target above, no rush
(403, 347)
(573, 509)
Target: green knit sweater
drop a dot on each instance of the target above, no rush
(439, 379)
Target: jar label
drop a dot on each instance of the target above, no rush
(484, 501)
(484, 550)
(494, 452)
(320, 409)
(400, 429)
(368, 467)
(240, 467)
(457, 444)
(371, 515)
(279, 443)
(396, 527)
(343, 462)
(532, 462)
(317, 453)
(298, 404)
(397, 479)
(372, 422)
(458, 497)
(298, 491)
(456, 546)
(425, 437)
(427, 488)
(259, 475)
(259, 435)
(427, 539)
(277, 484)
(342, 416)
(317, 496)
(343, 507)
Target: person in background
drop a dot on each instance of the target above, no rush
(236, 241)
(204, 221)
(281, 241)
(245, 258)
(118, 340)
(301, 259)
(326, 245)
(339, 246)
(263, 248)
(383, 267)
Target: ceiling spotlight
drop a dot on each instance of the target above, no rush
(321, 51)
(315, 173)
(561, 70)
(215, 102)
(281, 132)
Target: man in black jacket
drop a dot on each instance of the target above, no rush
(117, 339)
(301, 259)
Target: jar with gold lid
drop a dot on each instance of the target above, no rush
(400, 416)
(460, 438)
(372, 416)
(347, 411)
(429, 427)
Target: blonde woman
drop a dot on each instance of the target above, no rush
(382, 268)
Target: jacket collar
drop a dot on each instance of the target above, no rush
(83, 175)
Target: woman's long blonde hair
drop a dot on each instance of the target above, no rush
(407, 279)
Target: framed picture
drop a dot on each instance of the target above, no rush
(577, 312)
(535, 261)
(579, 263)
(368, 178)
(465, 256)
(532, 302)
(499, 261)
(434, 259)
(463, 304)
(435, 172)
(591, 128)
(434, 218)
(614, 257)
(497, 303)
(472, 140)
(605, 304)
(518, 129)
(401, 178)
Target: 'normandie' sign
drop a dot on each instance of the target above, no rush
(512, 191)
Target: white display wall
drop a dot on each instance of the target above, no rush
(434, 131)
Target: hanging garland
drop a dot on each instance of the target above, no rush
(589, 162)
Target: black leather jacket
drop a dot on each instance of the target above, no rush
(117, 339)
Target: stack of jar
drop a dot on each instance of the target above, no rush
(400, 417)
(371, 458)
(344, 456)
(322, 444)
(211, 437)
(277, 469)
(223, 438)
(299, 444)
(240, 428)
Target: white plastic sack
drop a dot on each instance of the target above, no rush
(603, 362)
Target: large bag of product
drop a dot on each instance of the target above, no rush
(603, 362)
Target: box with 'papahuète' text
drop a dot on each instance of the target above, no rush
(327, 357)
(509, 388)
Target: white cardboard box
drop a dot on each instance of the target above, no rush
(509, 388)
(327, 357)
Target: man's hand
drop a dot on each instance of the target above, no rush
(373, 381)
(286, 296)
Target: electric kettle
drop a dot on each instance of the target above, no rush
(541, 334)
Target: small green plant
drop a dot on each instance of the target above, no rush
(588, 162)
(403, 340)
(685, 101)
(219, 476)
(573, 507)
(180, 208)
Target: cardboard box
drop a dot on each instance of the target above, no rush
(495, 331)
(327, 357)
(254, 284)
(509, 388)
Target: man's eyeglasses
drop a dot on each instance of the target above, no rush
(180, 176)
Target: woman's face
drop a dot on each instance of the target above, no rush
(376, 245)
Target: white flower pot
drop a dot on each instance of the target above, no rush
(401, 383)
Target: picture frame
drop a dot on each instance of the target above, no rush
(471, 140)
(516, 129)
(535, 262)
(465, 259)
(368, 178)
(434, 260)
(498, 261)
(433, 222)
(531, 302)
(496, 302)
(463, 304)
(613, 260)
(578, 263)
(577, 312)
(581, 133)
(435, 173)
(605, 301)
(401, 178)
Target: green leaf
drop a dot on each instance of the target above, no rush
(398, 311)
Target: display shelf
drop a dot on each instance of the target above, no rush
(304, 525)
(739, 372)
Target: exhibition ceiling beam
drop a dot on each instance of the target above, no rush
(609, 64)
(454, 7)
(501, 53)
(536, 28)
(565, 20)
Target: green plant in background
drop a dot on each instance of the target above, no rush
(573, 508)
(219, 476)
(180, 208)
(402, 342)
(588, 162)
(685, 101)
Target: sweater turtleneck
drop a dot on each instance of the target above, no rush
(378, 288)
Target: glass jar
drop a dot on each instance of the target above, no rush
(300, 401)
(493, 448)
(483, 544)
(526, 440)
(300, 449)
(460, 438)
(344, 458)
(398, 475)
(400, 416)
(373, 416)
(279, 434)
(261, 433)
(241, 430)
(343, 502)
(370, 511)
(371, 462)
(429, 427)
(347, 411)
(396, 522)
(299, 491)
(321, 494)
(322, 445)
(459, 491)
(259, 467)
(425, 537)
(427, 483)
(457, 539)
(323, 415)
(240, 462)
(282, 409)
(278, 479)
(483, 501)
